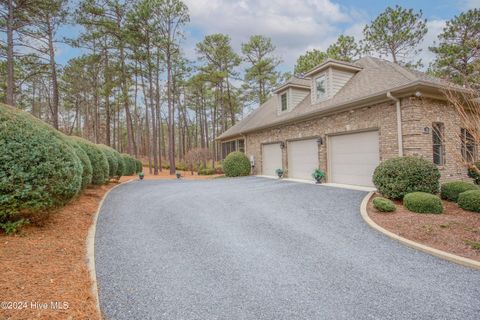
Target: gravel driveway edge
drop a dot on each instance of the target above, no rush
(90, 255)
(415, 245)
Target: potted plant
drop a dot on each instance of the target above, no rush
(178, 174)
(141, 175)
(318, 175)
(280, 173)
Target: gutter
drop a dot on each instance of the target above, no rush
(399, 123)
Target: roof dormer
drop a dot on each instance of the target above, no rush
(291, 93)
(329, 77)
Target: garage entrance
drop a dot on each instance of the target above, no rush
(302, 158)
(353, 158)
(271, 159)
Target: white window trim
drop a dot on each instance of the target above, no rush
(325, 96)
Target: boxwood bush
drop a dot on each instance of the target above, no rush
(39, 169)
(100, 169)
(451, 190)
(469, 200)
(473, 172)
(383, 205)
(396, 177)
(422, 202)
(139, 166)
(129, 165)
(111, 158)
(85, 160)
(121, 165)
(236, 164)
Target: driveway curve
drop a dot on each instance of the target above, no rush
(255, 248)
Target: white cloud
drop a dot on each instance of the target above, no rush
(471, 4)
(294, 26)
(435, 27)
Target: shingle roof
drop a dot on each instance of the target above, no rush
(376, 77)
(294, 81)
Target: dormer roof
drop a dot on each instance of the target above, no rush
(294, 82)
(337, 64)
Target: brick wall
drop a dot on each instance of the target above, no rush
(417, 113)
(420, 113)
(379, 116)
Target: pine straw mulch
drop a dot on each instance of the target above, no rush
(46, 262)
(165, 174)
(455, 231)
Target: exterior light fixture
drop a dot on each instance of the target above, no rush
(282, 145)
(320, 141)
(426, 130)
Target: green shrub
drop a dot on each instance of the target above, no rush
(206, 171)
(111, 158)
(396, 177)
(85, 160)
(469, 200)
(383, 205)
(129, 165)
(100, 168)
(451, 190)
(473, 172)
(422, 202)
(181, 166)
(39, 169)
(236, 164)
(139, 166)
(121, 165)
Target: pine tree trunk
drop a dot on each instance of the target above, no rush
(10, 99)
(53, 70)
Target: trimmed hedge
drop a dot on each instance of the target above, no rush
(139, 166)
(129, 168)
(111, 158)
(100, 168)
(396, 177)
(451, 190)
(422, 202)
(38, 168)
(85, 160)
(236, 164)
(469, 200)
(383, 205)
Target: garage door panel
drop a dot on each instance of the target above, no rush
(302, 158)
(354, 157)
(271, 159)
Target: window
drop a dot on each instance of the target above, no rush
(283, 97)
(320, 87)
(241, 145)
(231, 146)
(469, 147)
(438, 146)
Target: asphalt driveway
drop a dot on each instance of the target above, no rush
(254, 248)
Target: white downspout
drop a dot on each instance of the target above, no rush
(399, 123)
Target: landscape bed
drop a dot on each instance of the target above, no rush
(455, 230)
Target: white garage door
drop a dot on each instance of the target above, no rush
(271, 159)
(353, 158)
(302, 158)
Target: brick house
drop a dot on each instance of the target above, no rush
(345, 118)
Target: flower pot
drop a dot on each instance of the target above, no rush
(178, 175)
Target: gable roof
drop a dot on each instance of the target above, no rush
(296, 82)
(371, 83)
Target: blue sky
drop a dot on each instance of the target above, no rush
(294, 26)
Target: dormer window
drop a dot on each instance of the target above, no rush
(320, 87)
(283, 99)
